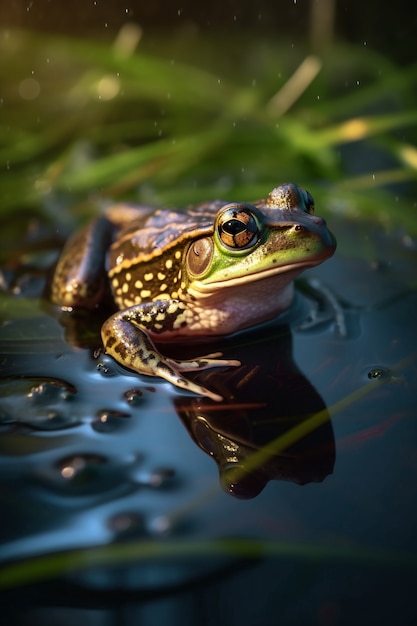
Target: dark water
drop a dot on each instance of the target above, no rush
(111, 505)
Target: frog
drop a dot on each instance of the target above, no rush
(199, 273)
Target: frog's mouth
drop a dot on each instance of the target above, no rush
(279, 276)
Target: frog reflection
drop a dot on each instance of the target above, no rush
(265, 400)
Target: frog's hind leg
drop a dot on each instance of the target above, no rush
(80, 278)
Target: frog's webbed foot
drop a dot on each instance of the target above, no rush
(133, 348)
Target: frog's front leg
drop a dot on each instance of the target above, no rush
(125, 337)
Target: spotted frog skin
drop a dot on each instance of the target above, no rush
(210, 270)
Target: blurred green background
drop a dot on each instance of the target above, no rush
(170, 103)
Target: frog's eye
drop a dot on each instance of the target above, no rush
(308, 200)
(237, 227)
(199, 256)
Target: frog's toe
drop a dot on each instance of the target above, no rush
(171, 372)
(203, 363)
(199, 390)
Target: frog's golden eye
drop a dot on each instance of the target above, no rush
(199, 256)
(237, 227)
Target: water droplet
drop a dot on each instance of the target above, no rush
(126, 523)
(377, 372)
(38, 403)
(161, 477)
(160, 525)
(51, 390)
(84, 473)
(75, 466)
(133, 396)
(157, 478)
(106, 369)
(378, 265)
(109, 421)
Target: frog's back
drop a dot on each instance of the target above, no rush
(155, 231)
(145, 260)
